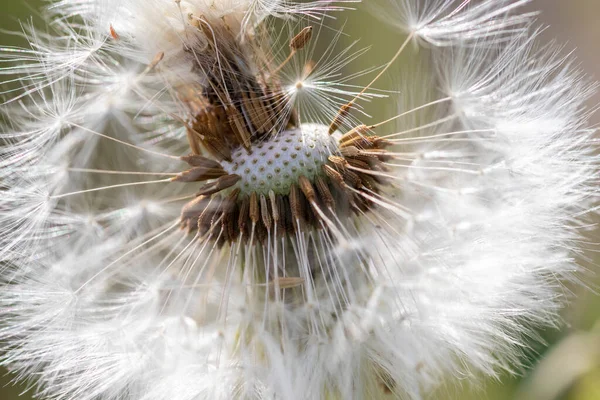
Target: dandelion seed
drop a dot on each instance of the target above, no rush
(196, 204)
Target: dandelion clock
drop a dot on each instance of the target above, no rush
(196, 204)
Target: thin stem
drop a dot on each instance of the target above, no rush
(111, 172)
(122, 142)
(388, 65)
(411, 111)
(109, 187)
(284, 63)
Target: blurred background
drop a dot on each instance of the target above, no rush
(567, 366)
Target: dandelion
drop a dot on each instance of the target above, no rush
(196, 204)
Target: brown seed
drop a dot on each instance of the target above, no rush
(310, 215)
(339, 162)
(370, 159)
(306, 188)
(274, 206)
(334, 175)
(191, 211)
(352, 179)
(243, 214)
(361, 203)
(286, 282)
(261, 233)
(325, 193)
(205, 219)
(369, 181)
(198, 161)
(301, 39)
(282, 222)
(340, 117)
(194, 140)
(349, 151)
(287, 213)
(222, 183)
(114, 33)
(356, 163)
(357, 132)
(217, 148)
(239, 126)
(296, 206)
(199, 174)
(254, 208)
(230, 206)
(267, 219)
(374, 142)
(381, 154)
(349, 177)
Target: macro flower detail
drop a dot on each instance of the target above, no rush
(288, 181)
(196, 203)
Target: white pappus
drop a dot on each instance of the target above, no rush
(195, 204)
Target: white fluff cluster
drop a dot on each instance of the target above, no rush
(448, 273)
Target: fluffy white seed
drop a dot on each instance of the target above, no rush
(451, 254)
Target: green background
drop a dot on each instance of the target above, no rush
(569, 368)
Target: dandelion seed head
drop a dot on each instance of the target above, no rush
(196, 204)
